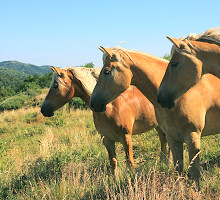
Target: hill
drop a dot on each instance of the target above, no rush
(13, 73)
(22, 69)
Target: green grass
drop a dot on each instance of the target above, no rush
(62, 157)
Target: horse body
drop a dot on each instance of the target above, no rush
(194, 111)
(131, 103)
(192, 57)
(131, 113)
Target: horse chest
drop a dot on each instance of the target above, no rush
(108, 127)
(176, 125)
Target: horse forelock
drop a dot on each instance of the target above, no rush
(125, 53)
(180, 51)
(59, 80)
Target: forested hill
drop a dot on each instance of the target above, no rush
(13, 74)
(22, 70)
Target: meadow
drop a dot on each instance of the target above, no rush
(62, 157)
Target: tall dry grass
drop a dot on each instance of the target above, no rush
(63, 158)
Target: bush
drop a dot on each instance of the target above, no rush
(14, 102)
(32, 93)
(76, 102)
(167, 57)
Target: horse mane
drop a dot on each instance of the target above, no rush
(128, 51)
(87, 76)
(211, 35)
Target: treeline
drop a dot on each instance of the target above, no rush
(15, 95)
(13, 86)
(36, 82)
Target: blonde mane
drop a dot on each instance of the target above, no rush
(127, 53)
(87, 76)
(212, 35)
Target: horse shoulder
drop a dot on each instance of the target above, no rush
(195, 103)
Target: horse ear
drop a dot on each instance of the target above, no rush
(57, 70)
(106, 50)
(175, 41)
(70, 74)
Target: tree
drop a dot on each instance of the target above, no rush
(167, 57)
(89, 65)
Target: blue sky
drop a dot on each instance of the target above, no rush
(68, 33)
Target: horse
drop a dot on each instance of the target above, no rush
(192, 57)
(196, 114)
(130, 114)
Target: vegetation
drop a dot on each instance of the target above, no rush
(23, 68)
(167, 57)
(12, 75)
(88, 65)
(16, 87)
(62, 157)
(27, 90)
(14, 102)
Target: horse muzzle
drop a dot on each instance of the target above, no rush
(166, 101)
(97, 105)
(47, 110)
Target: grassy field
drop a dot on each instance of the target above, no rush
(62, 157)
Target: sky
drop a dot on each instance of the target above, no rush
(68, 33)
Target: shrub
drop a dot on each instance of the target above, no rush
(14, 102)
(32, 93)
(167, 57)
(77, 103)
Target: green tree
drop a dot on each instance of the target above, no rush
(89, 65)
(167, 57)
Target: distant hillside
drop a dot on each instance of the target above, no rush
(13, 73)
(22, 70)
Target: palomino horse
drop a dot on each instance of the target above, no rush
(196, 114)
(131, 113)
(191, 58)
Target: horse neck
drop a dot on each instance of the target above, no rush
(148, 73)
(209, 54)
(80, 92)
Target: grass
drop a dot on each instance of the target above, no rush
(62, 157)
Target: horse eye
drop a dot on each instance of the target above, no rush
(55, 85)
(173, 63)
(107, 71)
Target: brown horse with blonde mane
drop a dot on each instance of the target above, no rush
(192, 57)
(197, 112)
(130, 114)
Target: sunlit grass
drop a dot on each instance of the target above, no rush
(62, 157)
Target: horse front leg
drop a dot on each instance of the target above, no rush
(164, 157)
(128, 147)
(177, 151)
(110, 146)
(194, 146)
